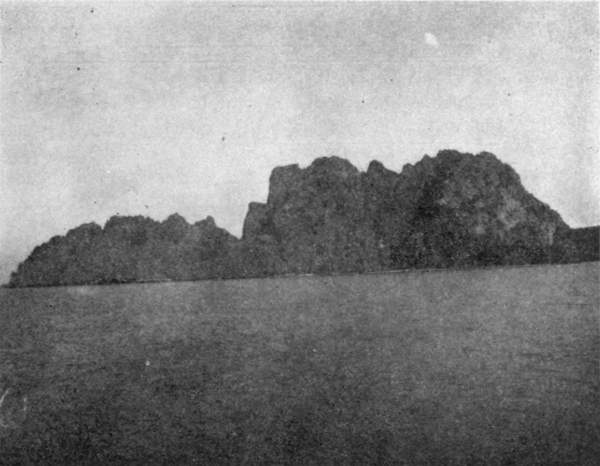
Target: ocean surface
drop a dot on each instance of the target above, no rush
(488, 366)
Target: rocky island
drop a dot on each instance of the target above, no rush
(451, 210)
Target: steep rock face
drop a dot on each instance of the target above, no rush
(256, 220)
(451, 210)
(129, 249)
(463, 209)
(315, 218)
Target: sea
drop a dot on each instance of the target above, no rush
(482, 366)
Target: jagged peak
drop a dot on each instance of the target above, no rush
(377, 173)
(209, 221)
(452, 154)
(282, 175)
(451, 158)
(333, 163)
(285, 169)
(375, 166)
(175, 219)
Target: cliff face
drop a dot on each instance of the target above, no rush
(451, 210)
(316, 219)
(471, 210)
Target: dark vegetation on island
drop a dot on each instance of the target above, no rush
(452, 210)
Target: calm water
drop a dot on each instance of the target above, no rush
(497, 366)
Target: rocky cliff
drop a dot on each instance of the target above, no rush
(454, 209)
(128, 249)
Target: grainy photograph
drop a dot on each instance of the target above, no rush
(299, 233)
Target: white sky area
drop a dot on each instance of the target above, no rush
(159, 108)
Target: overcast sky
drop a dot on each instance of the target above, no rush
(158, 108)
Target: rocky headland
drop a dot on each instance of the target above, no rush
(452, 210)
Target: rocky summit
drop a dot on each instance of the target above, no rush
(452, 210)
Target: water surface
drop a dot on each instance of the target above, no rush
(495, 366)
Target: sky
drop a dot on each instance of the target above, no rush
(156, 108)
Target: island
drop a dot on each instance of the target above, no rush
(452, 210)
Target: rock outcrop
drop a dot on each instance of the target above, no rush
(452, 210)
(129, 249)
(317, 218)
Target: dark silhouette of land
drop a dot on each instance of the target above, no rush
(452, 210)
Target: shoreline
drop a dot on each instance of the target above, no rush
(298, 275)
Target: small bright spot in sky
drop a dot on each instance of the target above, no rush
(430, 39)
